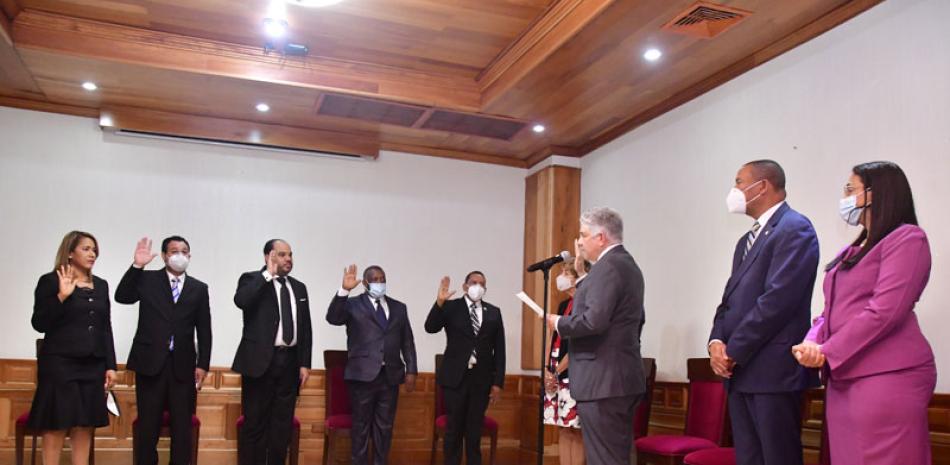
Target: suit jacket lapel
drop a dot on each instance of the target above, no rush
(757, 247)
(370, 308)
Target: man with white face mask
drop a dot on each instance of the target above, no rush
(764, 311)
(173, 307)
(473, 367)
(381, 356)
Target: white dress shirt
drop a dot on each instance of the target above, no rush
(279, 339)
(382, 301)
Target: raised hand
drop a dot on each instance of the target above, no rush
(349, 278)
(67, 282)
(578, 259)
(272, 263)
(444, 293)
(143, 253)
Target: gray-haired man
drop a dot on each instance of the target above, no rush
(606, 371)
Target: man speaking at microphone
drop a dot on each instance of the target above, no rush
(604, 329)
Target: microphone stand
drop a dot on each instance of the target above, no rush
(544, 337)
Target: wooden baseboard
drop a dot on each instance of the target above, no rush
(219, 405)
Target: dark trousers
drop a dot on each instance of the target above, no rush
(607, 428)
(154, 395)
(465, 405)
(268, 405)
(766, 428)
(374, 411)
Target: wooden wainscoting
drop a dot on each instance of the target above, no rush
(669, 417)
(219, 406)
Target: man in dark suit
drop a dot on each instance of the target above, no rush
(607, 377)
(274, 355)
(764, 312)
(473, 367)
(381, 356)
(173, 307)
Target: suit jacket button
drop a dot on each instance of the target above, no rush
(89, 328)
(90, 299)
(92, 312)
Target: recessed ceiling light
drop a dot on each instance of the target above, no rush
(90, 86)
(263, 107)
(538, 128)
(652, 55)
(275, 28)
(314, 3)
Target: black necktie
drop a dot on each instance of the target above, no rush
(381, 314)
(286, 315)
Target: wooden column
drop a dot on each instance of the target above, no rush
(552, 208)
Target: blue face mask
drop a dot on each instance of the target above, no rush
(850, 211)
(377, 290)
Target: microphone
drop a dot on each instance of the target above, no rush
(549, 262)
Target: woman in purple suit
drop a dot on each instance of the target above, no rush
(878, 366)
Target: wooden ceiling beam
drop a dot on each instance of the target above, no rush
(562, 20)
(13, 73)
(45, 106)
(813, 29)
(97, 40)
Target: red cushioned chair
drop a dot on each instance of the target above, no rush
(489, 425)
(166, 432)
(641, 421)
(293, 453)
(727, 455)
(22, 431)
(707, 420)
(339, 418)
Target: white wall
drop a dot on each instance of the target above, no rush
(419, 217)
(877, 87)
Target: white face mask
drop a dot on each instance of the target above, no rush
(736, 202)
(563, 283)
(377, 290)
(850, 211)
(475, 292)
(178, 262)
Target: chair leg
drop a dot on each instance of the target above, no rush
(326, 448)
(135, 455)
(435, 443)
(20, 440)
(294, 446)
(195, 436)
(493, 447)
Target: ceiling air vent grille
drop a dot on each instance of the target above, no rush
(706, 20)
(474, 125)
(365, 109)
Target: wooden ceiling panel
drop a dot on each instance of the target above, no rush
(455, 37)
(600, 74)
(575, 66)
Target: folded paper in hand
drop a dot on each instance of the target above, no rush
(530, 303)
(111, 404)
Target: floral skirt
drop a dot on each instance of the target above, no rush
(560, 409)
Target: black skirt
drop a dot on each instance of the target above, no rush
(70, 393)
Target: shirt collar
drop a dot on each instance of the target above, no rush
(764, 218)
(469, 302)
(181, 279)
(608, 249)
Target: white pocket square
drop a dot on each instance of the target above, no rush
(302, 300)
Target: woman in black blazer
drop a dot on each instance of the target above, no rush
(76, 363)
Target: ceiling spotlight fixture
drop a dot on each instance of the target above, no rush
(263, 107)
(275, 28)
(90, 86)
(314, 3)
(538, 128)
(275, 22)
(652, 54)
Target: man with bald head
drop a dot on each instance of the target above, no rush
(273, 357)
(764, 311)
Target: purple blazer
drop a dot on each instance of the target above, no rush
(869, 322)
